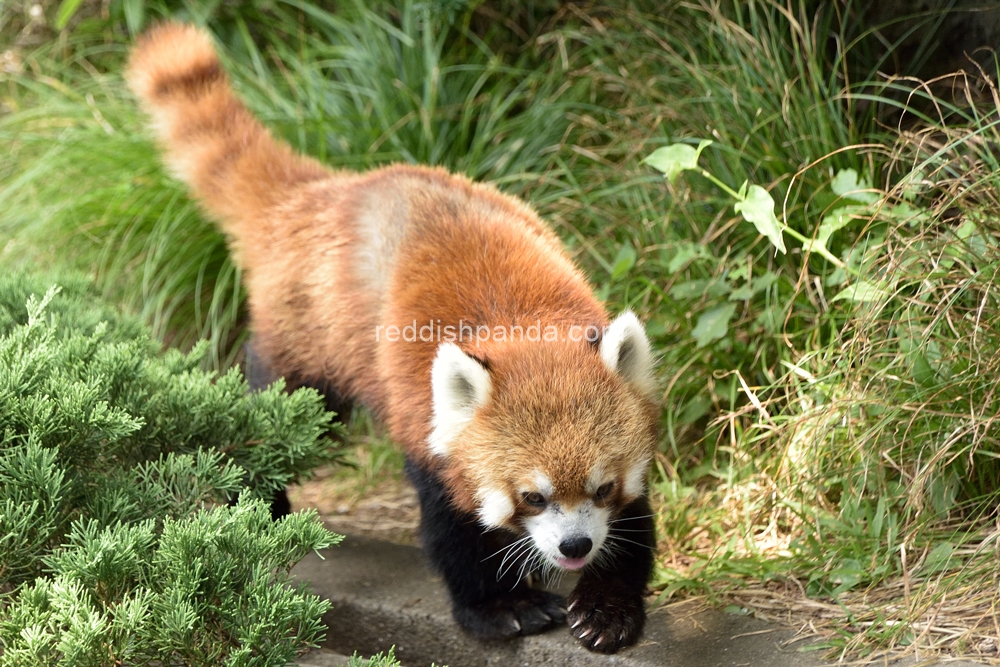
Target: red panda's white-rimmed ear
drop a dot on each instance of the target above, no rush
(459, 385)
(626, 351)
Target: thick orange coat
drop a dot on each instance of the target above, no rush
(331, 259)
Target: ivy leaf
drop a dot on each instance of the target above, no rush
(847, 185)
(833, 221)
(860, 291)
(758, 208)
(713, 324)
(903, 212)
(675, 158)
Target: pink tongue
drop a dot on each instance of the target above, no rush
(571, 563)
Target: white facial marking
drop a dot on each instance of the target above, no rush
(543, 484)
(625, 351)
(635, 479)
(557, 524)
(495, 507)
(459, 385)
(597, 479)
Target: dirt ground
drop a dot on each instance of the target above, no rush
(387, 510)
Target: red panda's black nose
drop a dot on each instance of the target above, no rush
(576, 547)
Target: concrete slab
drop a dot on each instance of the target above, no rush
(384, 595)
(322, 657)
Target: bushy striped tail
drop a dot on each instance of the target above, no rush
(211, 141)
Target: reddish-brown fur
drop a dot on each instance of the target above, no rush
(329, 256)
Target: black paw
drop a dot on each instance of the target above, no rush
(604, 620)
(525, 613)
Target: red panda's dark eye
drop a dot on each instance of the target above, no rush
(604, 490)
(534, 499)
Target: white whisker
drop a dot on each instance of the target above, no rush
(509, 546)
(530, 559)
(624, 539)
(632, 518)
(513, 556)
(630, 530)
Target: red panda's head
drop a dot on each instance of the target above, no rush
(551, 439)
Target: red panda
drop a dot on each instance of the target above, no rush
(450, 310)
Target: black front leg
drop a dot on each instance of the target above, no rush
(485, 570)
(606, 611)
(260, 376)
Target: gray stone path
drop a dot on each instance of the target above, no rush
(383, 595)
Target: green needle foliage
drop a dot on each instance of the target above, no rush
(209, 589)
(116, 461)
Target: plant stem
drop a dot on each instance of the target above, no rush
(707, 174)
(818, 249)
(822, 251)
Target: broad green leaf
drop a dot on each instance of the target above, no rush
(699, 288)
(924, 357)
(685, 253)
(847, 185)
(675, 158)
(67, 8)
(904, 212)
(940, 552)
(942, 491)
(695, 409)
(926, 360)
(921, 369)
(833, 221)
(939, 558)
(837, 219)
(761, 283)
(744, 293)
(758, 208)
(624, 261)
(751, 289)
(860, 291)
(976, 241)
(713, 324)
(912, 184)
(966, 229)
(847, 575)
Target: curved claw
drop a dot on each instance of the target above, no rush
(606, 623)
